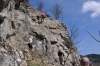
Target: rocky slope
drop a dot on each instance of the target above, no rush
(52, 45)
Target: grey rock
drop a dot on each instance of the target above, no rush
(51, 37)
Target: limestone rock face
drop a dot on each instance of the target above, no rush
(50, 38)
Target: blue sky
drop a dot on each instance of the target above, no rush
(86, 15)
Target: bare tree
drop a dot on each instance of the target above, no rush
(40, 6)
(74, 33)
(57, 11)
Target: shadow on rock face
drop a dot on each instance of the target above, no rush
(1, 20)
(3, 4)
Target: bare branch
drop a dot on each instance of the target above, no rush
(40, 6)
(93, 36)
(74, 32)
(56, 10)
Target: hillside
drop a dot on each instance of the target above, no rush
(52, 45)
(95, 59)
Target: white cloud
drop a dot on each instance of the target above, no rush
(92, 6)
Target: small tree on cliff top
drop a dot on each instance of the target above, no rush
(74, 33)
(57, 11)
(40, 6)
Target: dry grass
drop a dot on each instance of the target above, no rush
(37, 60)
(32, 63)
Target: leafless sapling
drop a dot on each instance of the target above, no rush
(57, 11)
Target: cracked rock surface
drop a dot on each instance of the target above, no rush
(52, 45)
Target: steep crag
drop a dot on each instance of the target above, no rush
(52, 45)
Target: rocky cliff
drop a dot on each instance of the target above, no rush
(52, 45)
